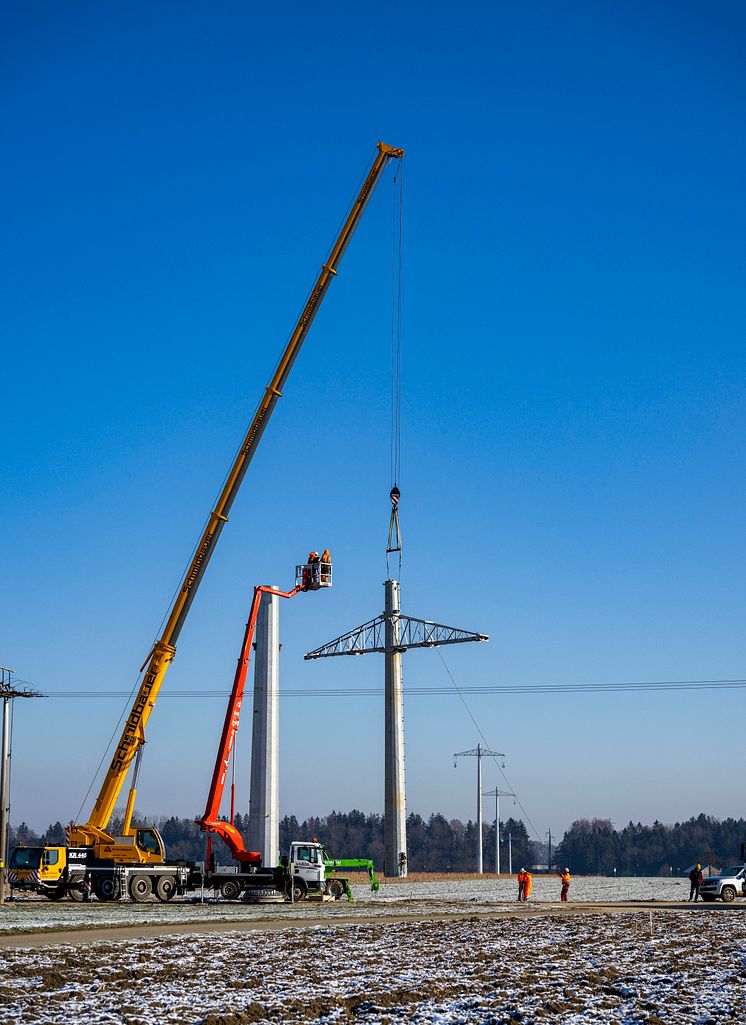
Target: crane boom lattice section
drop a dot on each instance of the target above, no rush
(412, 633)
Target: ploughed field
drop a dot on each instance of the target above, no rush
(530, 968)
(408, 897)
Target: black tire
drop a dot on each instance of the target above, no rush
(56, 893)
(336, 888)
(141, 887)
(728, 893)
(230, 889)
(165, 888)
(76, 892)
(300, 889)
(107, 888)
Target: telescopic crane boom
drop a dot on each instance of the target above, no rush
(133, 735)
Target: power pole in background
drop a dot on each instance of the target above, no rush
(549, 834)
(497, 794)
(7, 692)
(479, 753)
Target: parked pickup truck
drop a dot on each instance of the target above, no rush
(727, 886)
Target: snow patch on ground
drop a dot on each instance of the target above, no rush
(459, 896)
(590, 968)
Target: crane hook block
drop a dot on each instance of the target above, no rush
(395, 495)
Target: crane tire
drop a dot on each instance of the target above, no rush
(56, 893)
(140, 887)
(107, 888)
(76, 894)
(165, 888)
(728, 894)
(230, 889)
(336, 888)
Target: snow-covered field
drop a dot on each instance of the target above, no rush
(458, 896)
(591, 968)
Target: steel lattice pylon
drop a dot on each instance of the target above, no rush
(412, 633)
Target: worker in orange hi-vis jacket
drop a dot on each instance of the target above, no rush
(565, 878)
(524, 884)
(326, 561)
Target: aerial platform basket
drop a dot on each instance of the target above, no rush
(311, 576)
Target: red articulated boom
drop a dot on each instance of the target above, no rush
(311, 576)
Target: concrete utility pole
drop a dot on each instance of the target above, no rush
(479, 753)
(549, 834)
(497, 794)
(7, 692)
(510, 854)
(264, 794)
(392, 634)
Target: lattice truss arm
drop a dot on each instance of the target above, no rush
(413, 633)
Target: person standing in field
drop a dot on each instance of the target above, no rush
(695, 881)
(524, 885)
(565, 877)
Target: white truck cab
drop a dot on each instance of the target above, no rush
(307, 869)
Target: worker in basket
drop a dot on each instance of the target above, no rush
(326, 566)
(313, 570)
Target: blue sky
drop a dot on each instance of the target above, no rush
(573, 402)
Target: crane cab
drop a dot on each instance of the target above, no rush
(313, 575)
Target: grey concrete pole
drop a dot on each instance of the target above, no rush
(4, 757)
(395, 804)
(497, 831)
(510, 854)
(264, 793)
(479, 810)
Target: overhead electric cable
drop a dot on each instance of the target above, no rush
(352, 692)
(494, 758)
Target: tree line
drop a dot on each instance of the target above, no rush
(438, 844)
(595, 847)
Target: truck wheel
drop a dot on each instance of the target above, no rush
(165, 888)
(76, 893)
(58, 893)
(230, 889)
(728, 893)
(107, 888)
(300, 890)
(336, 888)
(141, 888)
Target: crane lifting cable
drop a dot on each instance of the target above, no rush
(394, 544)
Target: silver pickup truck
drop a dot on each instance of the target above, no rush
(727, 886)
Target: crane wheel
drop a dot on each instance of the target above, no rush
(141, 888)
(165, 888)
(336, 888)
(230, 889)
(76, 894)
(58, 893)
(107, 888)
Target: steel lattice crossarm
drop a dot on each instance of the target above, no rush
(412, 633)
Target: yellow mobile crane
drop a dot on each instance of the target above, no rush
(93, 854)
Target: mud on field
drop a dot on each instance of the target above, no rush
(592, 968)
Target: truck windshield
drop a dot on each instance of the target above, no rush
(26, 857)
(735, 871)
(148, 841)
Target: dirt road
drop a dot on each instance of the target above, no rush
(97, 934)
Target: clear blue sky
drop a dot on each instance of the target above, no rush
(573, 386)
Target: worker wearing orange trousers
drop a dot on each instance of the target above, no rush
(565, 878)
(525, 881)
